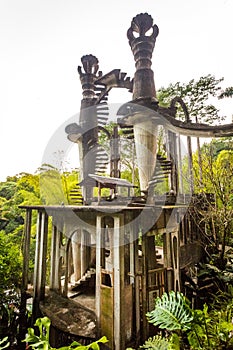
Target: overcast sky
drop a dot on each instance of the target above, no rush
(42, 42)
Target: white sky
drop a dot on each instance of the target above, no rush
(42, 42)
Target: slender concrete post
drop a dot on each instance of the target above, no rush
(118, 280)
(176, 259)
(173, 156)
(43, 252)
(135, 278)
(36, 282)
(26, 248)
(84, 252)
(23, 303)
(40, 260)
(55, 281)
(98, 270)
(180, 170)
(132, 255)
(190, 164)
(144, 287)
(76, 252)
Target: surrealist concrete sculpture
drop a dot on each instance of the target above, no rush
(110, 256)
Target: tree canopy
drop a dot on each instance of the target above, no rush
(198, 96)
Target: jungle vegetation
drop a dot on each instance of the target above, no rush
(213, 173)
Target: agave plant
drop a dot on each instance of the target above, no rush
(171, 312)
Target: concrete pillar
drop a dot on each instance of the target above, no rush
(40, 261)
(83, 250)
(55, 278)
(76, 253)
(98, 268)
(118, 278)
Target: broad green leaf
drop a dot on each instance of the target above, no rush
(171, 312)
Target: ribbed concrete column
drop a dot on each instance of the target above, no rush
(145, 133)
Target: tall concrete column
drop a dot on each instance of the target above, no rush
(98, 270)
(118, 280)
(86, 133)
(76, 253)
(145, 132)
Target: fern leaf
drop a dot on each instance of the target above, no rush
(156, 343)
(172, 312)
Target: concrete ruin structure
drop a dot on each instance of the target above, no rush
(101, 261)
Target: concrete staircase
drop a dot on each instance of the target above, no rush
(85, 283)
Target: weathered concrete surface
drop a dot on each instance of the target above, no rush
(69, 316)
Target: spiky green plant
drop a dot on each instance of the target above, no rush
(159, 343)
(156, 343)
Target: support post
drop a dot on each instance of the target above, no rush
(76, 252)
(40, 261)
(144, 287)
(190, 163)
(23, 302)
(168, 261)
(98, 270)
(172, 155)
(55, 278)
(132, 255)
(137, 293)
(84, 252)
(118, 278)
(175, 251)
(180, 170)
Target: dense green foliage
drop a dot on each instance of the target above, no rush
(196, 95)
(55, 186)
(22, 189)
(213, 173)
(10, 262)
(228, 92)
(216, 178)
(187, 328)
(172, 311)
(42, 341)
